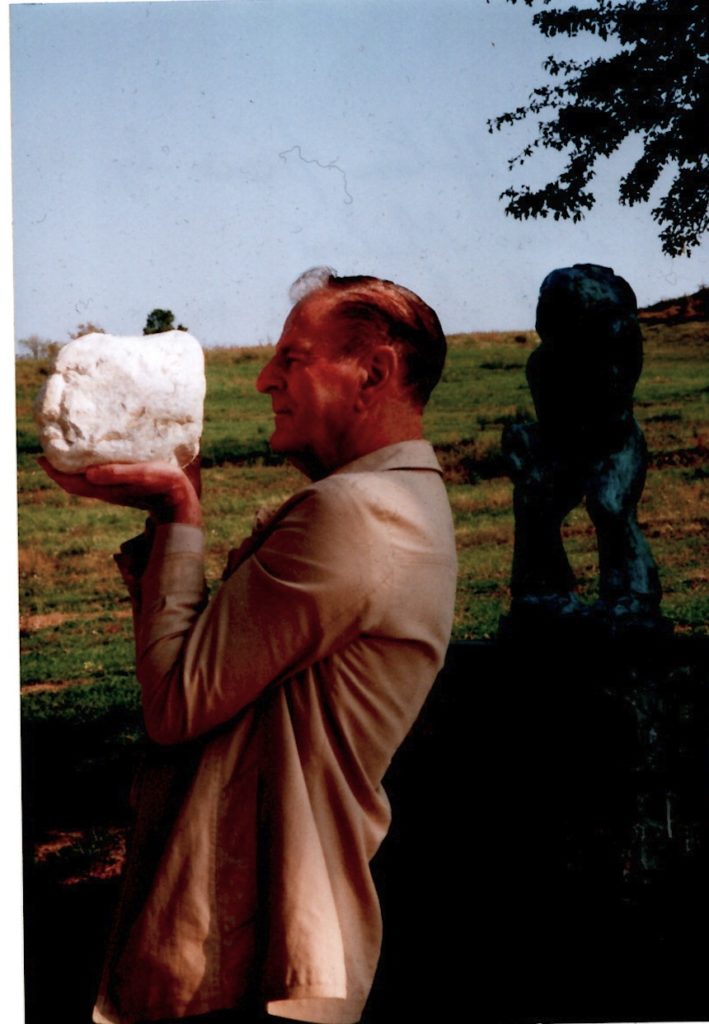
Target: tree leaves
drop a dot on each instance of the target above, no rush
(656, 86)
(161, 320)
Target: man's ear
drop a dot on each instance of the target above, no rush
(380, 370)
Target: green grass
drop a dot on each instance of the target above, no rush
(66, 568)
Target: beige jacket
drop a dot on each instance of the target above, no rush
(276, 709)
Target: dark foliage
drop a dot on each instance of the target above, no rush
(654, 84)
(161, 320)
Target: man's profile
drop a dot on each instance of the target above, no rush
(276, 706)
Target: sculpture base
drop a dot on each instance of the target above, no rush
(549, 850)
(536, 623)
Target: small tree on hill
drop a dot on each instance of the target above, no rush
(655, 87)
(161, 320)
(87, 328)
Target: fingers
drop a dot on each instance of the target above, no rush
(137, 485)
(72, 483)
(151, 477)
(157, 487)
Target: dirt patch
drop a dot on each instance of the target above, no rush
(55, 842)
(78, 854)
(52, 687)
(33, 623)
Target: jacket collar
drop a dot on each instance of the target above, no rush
(403, 455)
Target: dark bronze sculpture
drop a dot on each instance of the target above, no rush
(585, 445)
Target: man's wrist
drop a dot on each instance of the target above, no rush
(183, 507)
(188, 515)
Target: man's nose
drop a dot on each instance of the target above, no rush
(267, 379)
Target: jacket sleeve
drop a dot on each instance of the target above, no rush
(132, 561)
(306, 590)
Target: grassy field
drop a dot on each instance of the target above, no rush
(79, 693)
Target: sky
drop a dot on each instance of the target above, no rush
(198, 155)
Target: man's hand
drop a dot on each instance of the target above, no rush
(171, 495)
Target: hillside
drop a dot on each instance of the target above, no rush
(683, 310)
(66, 567)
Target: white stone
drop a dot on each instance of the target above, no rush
(114, 399)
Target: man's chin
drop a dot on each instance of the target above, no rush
(299, 459)
(280, 445)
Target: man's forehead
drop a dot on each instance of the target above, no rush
(309, 325)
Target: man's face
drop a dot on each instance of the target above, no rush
(313, 391)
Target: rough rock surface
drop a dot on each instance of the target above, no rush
(117, 399)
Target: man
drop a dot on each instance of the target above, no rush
(277, 706)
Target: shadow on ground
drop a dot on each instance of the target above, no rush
(548, 852)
